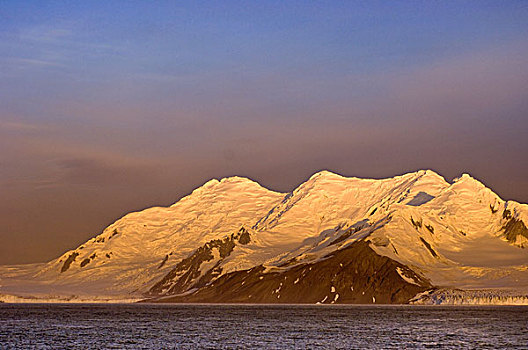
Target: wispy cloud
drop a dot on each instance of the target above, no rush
(45, 34)
(50, 46)
(13, 125)
(21, 62)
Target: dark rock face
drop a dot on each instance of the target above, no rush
(69, 261)
(353, 275)
(188, 273)
(244, 237)
(493, 209)
(417, 224)
(513, 227)
(428, 246)
(115, 232)
(87, 260)
(163, 261)
(430, 228)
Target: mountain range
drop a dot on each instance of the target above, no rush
(414, 238)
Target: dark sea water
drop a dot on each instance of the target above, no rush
(144, 326)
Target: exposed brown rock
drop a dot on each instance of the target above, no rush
(163, 261)
(244, 237)
(71, 258)
(353, 275)
(430, 228)
(188, 272)
(513, 227)
(493, 210)
(115, 232)
(417, 224)
(428, 246)
(87, 260)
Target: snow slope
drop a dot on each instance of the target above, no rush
(138, 249)
(457, 235)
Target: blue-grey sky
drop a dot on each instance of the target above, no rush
(108, 107)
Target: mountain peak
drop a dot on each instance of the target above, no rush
(238, 179)
(229, 182)
(427, 173)
(233, 185)
(465, 178)
(325, 174)
(210, 183)
(431, 177)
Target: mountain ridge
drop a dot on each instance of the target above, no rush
(417, 220)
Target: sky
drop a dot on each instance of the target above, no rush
(111, 107)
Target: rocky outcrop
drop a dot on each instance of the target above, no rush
(200, 267)
(513, 228)
(87, 260)
(352, 275)
(71, 258)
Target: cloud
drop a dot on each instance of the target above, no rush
(21, 126)
(45, 34)
(58, 45)
(34, 62)
(101, 172)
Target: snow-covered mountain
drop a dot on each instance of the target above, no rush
(333, 239)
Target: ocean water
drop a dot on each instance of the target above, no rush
(145, 326)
